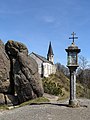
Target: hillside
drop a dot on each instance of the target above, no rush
(58, 84)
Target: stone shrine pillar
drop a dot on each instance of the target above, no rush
(72, 100)
(72, 64)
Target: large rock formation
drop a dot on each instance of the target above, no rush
(4, 70)
(25, 79)
(8, 99)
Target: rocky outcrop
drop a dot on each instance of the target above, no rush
(8, 99)
(19, 78)
(4, 70)
(2, 99)
(25, 79)
(11, 99)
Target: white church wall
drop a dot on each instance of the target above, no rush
(39, 62)
(44, 68)
(48, 69)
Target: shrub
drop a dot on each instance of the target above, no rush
(51, 87)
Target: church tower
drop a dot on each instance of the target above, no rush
(50, 55)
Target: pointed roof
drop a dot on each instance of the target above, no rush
(50, 50)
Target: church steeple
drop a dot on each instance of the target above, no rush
(50, 55)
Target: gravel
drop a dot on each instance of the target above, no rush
(54, 111)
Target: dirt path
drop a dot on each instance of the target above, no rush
(48, 112)
(52, 98)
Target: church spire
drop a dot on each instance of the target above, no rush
(50, 51)
(50, 54)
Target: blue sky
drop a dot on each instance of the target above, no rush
(37, 22)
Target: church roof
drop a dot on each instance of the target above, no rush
(41, 58)
(50, 50)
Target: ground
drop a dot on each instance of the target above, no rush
(51, 98)
(49, 111)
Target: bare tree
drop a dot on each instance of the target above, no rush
(83, 74)
(62, 68)
(83, 62)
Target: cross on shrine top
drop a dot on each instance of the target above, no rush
(73, 36)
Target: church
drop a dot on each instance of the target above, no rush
(46, 66)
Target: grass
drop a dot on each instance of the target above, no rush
(58, 84)
(64, 96)
(3, 107)
(35, 101)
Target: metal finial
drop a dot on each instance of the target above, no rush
(73, 36)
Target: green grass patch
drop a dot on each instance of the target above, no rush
(55, 83)
(58, 84)
(35, 101)
(3, 107)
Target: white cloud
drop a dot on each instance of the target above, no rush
(48, 19)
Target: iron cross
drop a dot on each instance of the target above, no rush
(73, 36)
